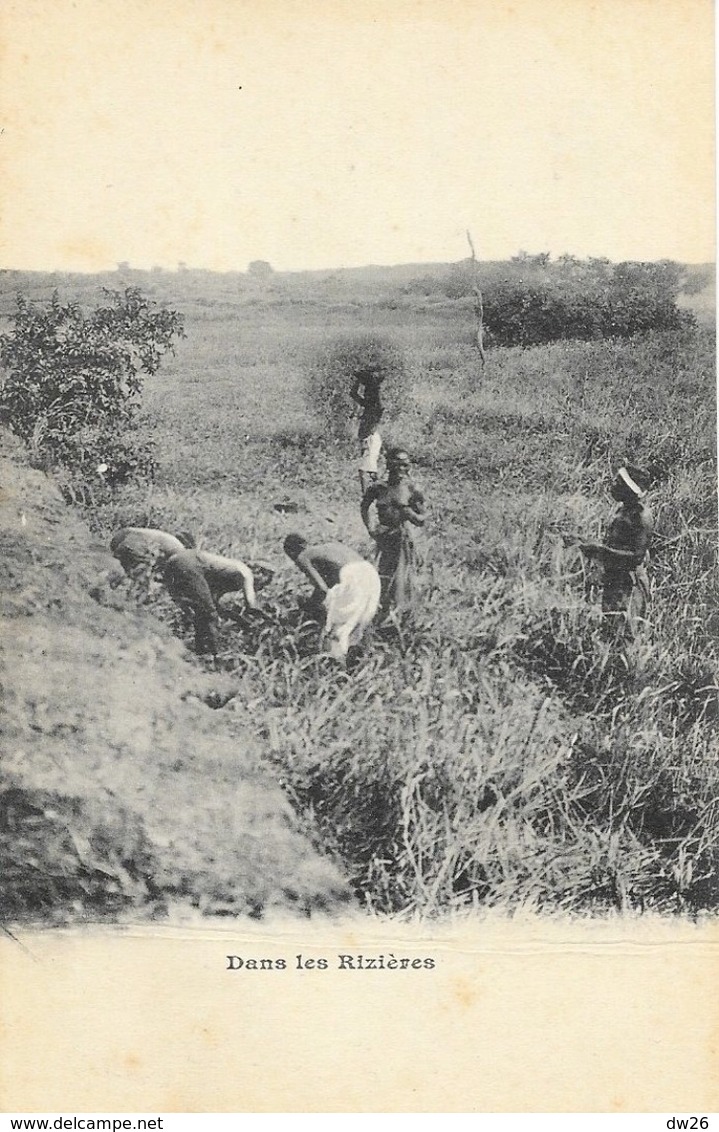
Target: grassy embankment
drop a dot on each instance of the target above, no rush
(499, 752)
(122, 794)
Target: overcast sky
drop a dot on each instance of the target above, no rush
(319, 133)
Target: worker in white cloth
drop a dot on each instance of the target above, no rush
(346, 585)
(368, 433)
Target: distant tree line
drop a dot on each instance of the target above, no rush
(530, 300)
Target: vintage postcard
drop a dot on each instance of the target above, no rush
(358, 511)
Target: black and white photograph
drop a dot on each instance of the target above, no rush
(359, 553)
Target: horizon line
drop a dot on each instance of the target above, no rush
(183, 268)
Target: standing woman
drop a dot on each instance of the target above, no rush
(399, 507)
(623, 553)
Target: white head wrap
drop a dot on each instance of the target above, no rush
(631, 484)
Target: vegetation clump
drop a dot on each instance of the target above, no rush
(530, 301)
(338, 363)
(73, 382)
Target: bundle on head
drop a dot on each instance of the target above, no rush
(331, 372)
(371, 377)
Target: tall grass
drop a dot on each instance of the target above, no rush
(502, 749)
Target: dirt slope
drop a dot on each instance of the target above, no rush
(121, 792)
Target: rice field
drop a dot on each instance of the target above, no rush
(499, 751)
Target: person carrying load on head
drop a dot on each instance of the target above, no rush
(625, 587)
(368, 432)
(399, 506)
(142, 547)
(198, 579)
(346, 585)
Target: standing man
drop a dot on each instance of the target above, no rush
(345, 584)
(623, 553)
(198, 579)
(368, 432)
(399, 506)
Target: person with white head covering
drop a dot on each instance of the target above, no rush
(347, 586)
(624, 551)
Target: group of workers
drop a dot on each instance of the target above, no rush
(351, 592)
(193, 577)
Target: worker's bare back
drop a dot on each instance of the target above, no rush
(328, 558)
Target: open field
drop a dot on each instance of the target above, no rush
(499, 752)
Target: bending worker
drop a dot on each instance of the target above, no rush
(136, 547)
(625, 591)
(346, 585)
(198, 579)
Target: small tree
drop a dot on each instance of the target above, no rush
(332, 371)
(73, 381)
(478, 305)
(260, 269)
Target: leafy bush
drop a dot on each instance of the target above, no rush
(332, 371)
(530, 301)
(73, 381)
